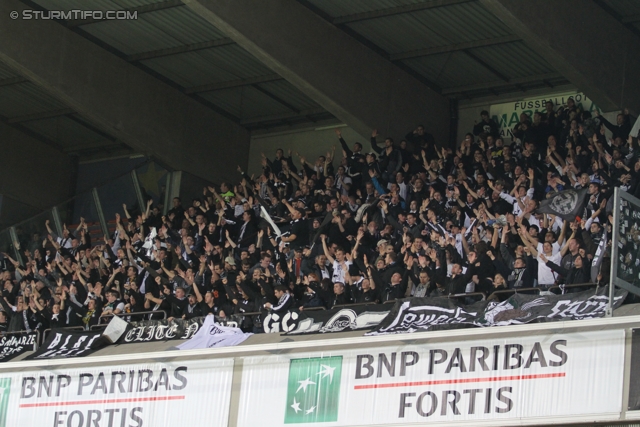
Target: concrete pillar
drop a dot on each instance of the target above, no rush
(124, 101)
(351, 81)
(580, 40)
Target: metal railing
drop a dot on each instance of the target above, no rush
(320, 308)
(563, 289)
(478, 296)
(135, 313)
(356, 304)
(506, 293)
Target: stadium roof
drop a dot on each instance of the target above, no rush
(456, 47)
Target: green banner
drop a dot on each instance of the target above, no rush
(313, 392)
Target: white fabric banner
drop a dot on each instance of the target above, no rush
(636, 128)
(499, 381)
(211, 335)
(179, 393)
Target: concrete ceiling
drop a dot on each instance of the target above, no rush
(456, 47)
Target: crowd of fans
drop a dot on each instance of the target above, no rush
(368, 223)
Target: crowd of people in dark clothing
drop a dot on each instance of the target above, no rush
(363, 223)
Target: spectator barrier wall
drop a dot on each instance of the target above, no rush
(564, 372)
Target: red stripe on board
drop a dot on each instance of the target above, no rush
(462, 381)
(94, 402)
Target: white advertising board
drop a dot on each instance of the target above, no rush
(133, 395)
(492, 381)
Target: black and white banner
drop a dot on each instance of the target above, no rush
(566, 204)
(323, 321)
(161, 330)
(61, 343)
(424, 314)
(13, 345)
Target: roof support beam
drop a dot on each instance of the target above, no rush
(179, 49)
(453, 47)
(40, 116)
(608, 72)
(282, 116)
(120, 99)
(12, 81)
(631, 19)
(233, 83)
(489, 67)
(138, 9)
(428, 4)
(502, 83)
(329, 66)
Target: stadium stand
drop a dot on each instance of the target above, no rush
(363, 223)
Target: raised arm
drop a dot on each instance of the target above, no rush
(527, 243)
(326, 250)
(126, 212)
(565, 248)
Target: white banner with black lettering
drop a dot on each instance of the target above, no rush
(180, 393)
(507, 115)
(495, 381)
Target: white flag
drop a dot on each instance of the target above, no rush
(636, 128)
(212, 335)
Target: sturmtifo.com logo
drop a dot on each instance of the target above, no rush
(313, 392)
(5, 389)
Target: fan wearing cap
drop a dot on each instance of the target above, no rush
(193, 309)
(229, 264)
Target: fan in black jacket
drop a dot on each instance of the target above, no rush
(580, 273)
(394, 289)
(285, 301)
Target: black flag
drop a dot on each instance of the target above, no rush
(566, 204)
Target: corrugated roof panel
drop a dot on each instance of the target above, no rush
(166, 28)
(189, 69)
(94, 4)
(26, 98)
(183, 24)
(398, 33)
(245, 102)
(132, 36)
(66, 132)
(79, 5)
(513, 59)
(290, 94)
(128, 4)
(205, 66)
(337, 8)
(435, 27)
(624, 7)
(451, 69)
(6, 72)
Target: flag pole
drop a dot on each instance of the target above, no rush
(614, 249)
